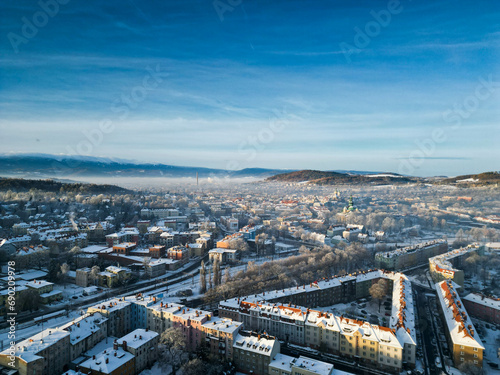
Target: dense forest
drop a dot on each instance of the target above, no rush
(333, 178)
(22, 185)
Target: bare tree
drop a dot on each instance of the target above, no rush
(216, 272)
(203, 278)
(194, 367)
(171, 348)
(64, 271)
(227, 275)
(94, 274)
(470, 369)
(379, 290)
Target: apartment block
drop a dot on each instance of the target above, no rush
(43, 354)
(253, 353)
(465, 344)
(483, 307)
(143, 344)
(410, 256)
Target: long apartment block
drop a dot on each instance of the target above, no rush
(282, 313)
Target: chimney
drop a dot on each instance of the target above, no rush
(107, 360)
(124, 345)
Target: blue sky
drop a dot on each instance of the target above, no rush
(269, 85)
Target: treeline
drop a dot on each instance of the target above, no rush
(302, 269)
(481, 179)
(22, 185)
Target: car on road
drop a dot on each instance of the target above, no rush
(363, 312)
(437, 362)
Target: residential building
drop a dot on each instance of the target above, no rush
(109, 362)
(45, 353)
(223, 255)
(286, 365)
(253, 353)
(483, 307)
(410, 256)
(85, 332)
(143, 344)
(448, 265)
(464, 342)
(83, 277)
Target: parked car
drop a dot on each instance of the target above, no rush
(437, 362)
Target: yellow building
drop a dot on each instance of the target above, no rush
(462, 336)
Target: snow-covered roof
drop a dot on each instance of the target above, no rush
(28, 349)
(403, 314)
(483, 300)
(287, 363)
(37, 284)
(313, 366)
(112, 305)
(93, 249)
(223, 325)
(321, 284)
(32, 275)
(410, 249)
(108, 360)
(261, 344)
(83, 327)
(442, 262)
(459, 324)
(138, 338)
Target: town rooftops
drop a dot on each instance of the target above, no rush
(459, 324)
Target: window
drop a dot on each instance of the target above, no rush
(475, 349)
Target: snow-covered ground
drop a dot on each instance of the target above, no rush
(361, 309)
(489, 337)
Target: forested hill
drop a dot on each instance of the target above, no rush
(22, 185)
(331, 178)
(481, 179)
